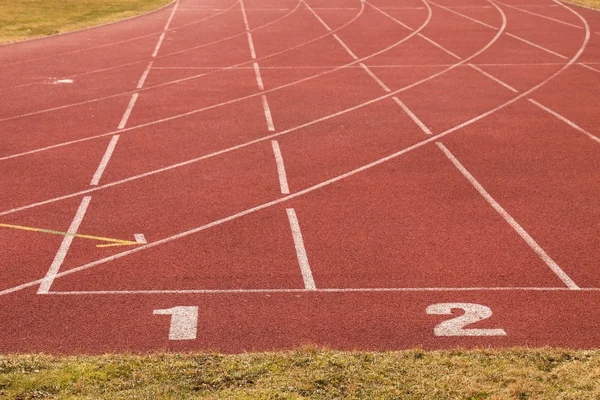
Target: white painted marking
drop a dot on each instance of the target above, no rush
(268, 116)
(541, 16)
(462, 15)
(412, 116)
(128, 111)
(391, 17)
(59, 81)
(328, 290)
(48, 280)
(492, 77)
(537, 46)
(184, 322)
(317, 16)
(160, 40)
(144, 76)
(456, 326)
(439, 46)
(345, 47)
(309, 283)
(104, 162)
(314, 187)
(565, 120)
(140, 238)
(259, 81)
(588, 67)
(511, 221)
(248, 34)
(283, 184)
(375, 78)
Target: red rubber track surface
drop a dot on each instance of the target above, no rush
(322, 172)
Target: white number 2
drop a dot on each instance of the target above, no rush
(455, 326)
(184, 322)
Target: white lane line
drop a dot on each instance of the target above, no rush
(283, 183)
(375, 78)
(144, 76)
(104, 161)
(540, 15)
(439, 46)
(492, 77)
(328, 290)
(259, 81)
(158, 44)
(340, 41)
(47, 281)
(588, 67)
(309, 282)
(402, 24)
(511, 221)
(534, 64)
(317, 16)
(128, 111)
(565, 120)
(248, 34)
(507, 33)
(412, 116)
(537, 46)
(312, 188)
(268, 116)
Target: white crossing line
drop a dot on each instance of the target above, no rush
(536, 46)
(439, 46)
(307, 277)
(327, 290)
(412, 116)
(48, 280)
(283, 183)
(160, 40)
(344, 46)
(588, 67)
(565, 120)
(144, 76)
(268, 116)
(259, 81)
(541, 16)
(104, 161)
(375, 78)
(128, 111)
(511, 221)
(492, 77)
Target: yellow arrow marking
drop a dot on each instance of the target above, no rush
(111, 242)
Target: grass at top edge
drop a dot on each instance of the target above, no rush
(595, 4)
(308, 373)
(28, 19)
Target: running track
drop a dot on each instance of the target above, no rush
(242, 175)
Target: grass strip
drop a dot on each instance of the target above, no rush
(308, 373)
(588, 3)
(26, 19)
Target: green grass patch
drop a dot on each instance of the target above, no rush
(308, 374)
(588, 3)
(26, 19)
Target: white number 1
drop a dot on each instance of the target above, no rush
(455, 326)
(184, 322)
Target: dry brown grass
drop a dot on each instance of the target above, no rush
(309, 374)
(588, 3)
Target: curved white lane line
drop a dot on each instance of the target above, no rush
(261, 139)
(193, 77)
(339, 177)
(128, 64)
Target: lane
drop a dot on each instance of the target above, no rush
(270, 321)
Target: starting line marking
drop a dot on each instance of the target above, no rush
(111, 241)
(327, 290)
